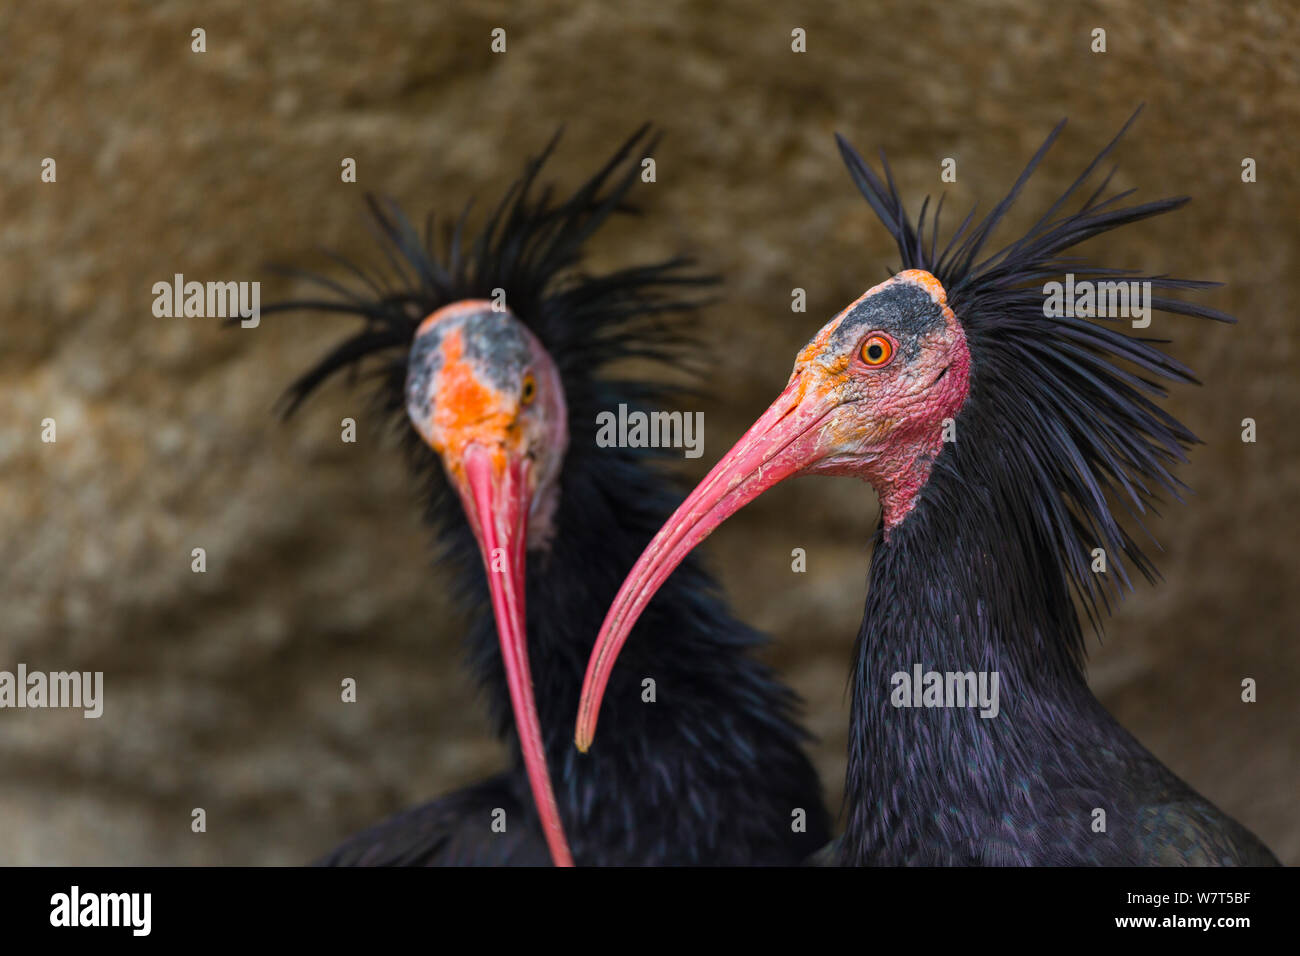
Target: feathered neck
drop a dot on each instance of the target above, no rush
(729, 746)
(1064, 406)
(958, 590)
(1060, 438)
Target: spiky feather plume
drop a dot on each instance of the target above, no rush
(531, 246)
(1074, 399)
(729, 751)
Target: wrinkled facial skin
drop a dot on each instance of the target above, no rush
(480, 377)
(868, 398)
(484, 395)
(885, 423)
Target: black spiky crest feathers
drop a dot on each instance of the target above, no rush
(1081, 429)
(531, 246)
(731, 750)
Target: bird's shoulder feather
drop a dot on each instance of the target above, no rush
(455, 830)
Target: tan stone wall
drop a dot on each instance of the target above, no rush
(222, 688)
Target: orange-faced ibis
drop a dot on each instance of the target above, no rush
(1002, 435)
(498, 399)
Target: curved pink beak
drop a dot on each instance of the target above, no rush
(496, 500)
(787, 439)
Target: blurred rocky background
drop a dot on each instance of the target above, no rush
(222, 688)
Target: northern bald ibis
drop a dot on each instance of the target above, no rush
(1001, 433)
(498, 402)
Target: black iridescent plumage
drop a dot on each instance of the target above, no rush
(713, 772)
(1060, 426)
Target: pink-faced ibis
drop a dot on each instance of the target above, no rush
(503, 397)
(1000, 441)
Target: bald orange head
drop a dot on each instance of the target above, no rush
(478, 378)
(485, 395)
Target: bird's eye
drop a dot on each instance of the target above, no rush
(877, 350)
(529, 391)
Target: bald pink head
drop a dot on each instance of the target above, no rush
(868, 397)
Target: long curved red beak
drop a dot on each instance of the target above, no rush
(785, 440)
(496, 499)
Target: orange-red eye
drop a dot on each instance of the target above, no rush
(529, 391)
(877, 350)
